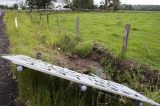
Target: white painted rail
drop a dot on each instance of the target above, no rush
(67, 74)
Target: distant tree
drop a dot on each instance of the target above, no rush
(23, 7)
(96, 6)
(146, 7)
(125, 7)
(67, 3)
(6, 7)
(66, 6)
(83, 4)
(43, 3)
(40, 4)
(106, 4)
(15, 6)
(115, 4)
(128, 7)
(1, 6)
(31, 3)
(111, 4)
(102, 5)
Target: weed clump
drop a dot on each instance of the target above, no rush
(135, 29)
(42, 39)
(83, 49)
(73, 44)
(67, 43)
(115, 35)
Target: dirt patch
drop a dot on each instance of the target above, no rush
(73, 62)
(149, 77)
(77, 63)
(8, 83)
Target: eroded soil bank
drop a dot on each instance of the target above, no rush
(144, 74)
(101, 61)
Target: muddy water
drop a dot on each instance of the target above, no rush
(93, 66)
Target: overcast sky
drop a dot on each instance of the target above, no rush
(146, 2)
(7, 2)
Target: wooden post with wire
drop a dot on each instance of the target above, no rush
(40, 17)
(77, 25)
(35, 17)
(48, 18)
(125, 38)
(58, 25)
(30, 14)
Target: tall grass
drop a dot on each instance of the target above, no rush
(35, 88)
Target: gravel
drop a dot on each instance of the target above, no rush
(8, 84)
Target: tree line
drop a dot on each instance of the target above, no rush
(139, 7)
(43, 4)
(74, 4)
(83, 4)
(14, 7)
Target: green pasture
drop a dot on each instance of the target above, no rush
(106, 28)
(35, 35)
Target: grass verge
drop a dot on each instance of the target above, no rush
(36, 36)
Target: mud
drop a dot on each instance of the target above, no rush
(79, 64)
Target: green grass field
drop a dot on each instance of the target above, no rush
(106, 28)
(34, 35)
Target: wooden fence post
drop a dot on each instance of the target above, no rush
(40, 16)
(125, 38)
(58, 25)
(48, 18)
(30, 15)
(77, 25)
(34, 17)
(16, 23)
